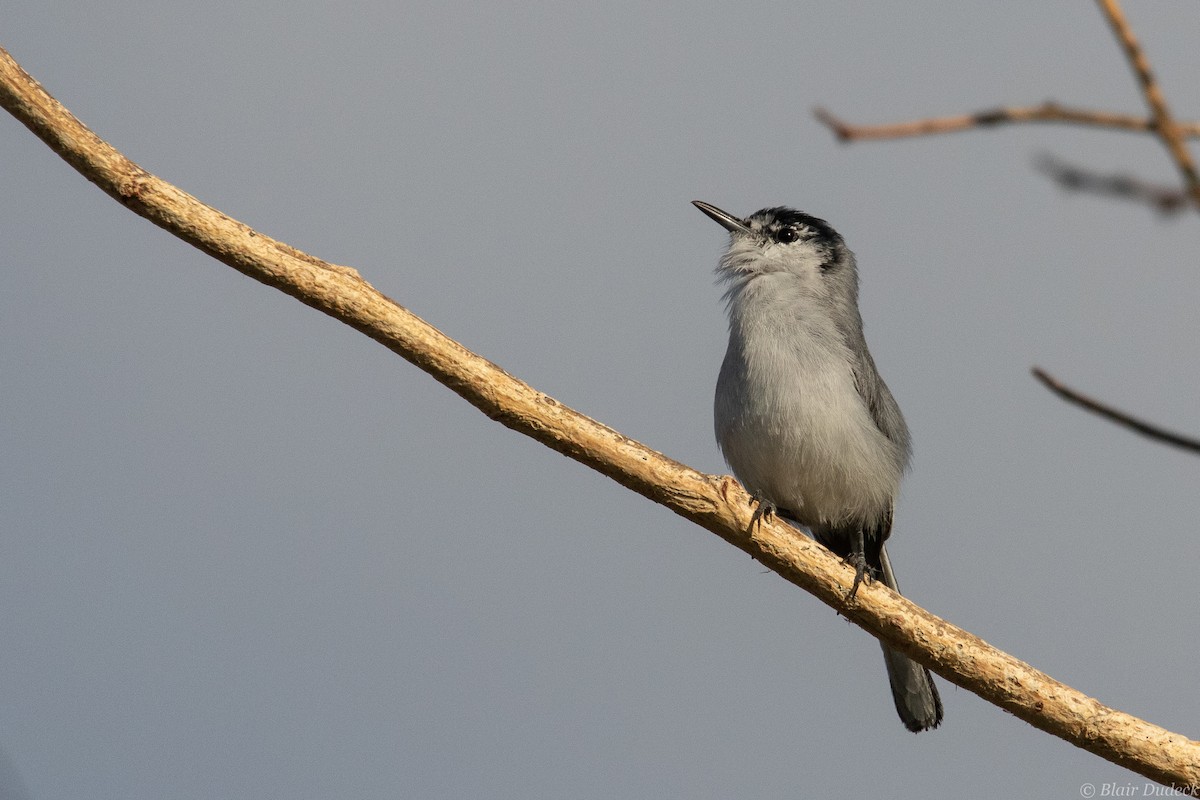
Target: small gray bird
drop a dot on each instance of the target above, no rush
(802, 416)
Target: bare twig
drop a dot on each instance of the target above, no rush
(1165, 199)
(1166, 127)
(1161, 122)
(1047, 112)
(717, 503)
(1154, 432)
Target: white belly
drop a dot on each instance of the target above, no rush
(796, 432)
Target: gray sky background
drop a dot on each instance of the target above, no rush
(246, 552)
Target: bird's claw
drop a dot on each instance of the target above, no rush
(764, 509)
(862, 572)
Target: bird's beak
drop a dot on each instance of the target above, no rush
(727, 221)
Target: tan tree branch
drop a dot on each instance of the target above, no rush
(1164, 123)
(1046, 112)
(1161, 122)
(714, 502)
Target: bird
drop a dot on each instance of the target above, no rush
(801, 414)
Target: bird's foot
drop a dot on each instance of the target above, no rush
(862, 572)
(764, 509)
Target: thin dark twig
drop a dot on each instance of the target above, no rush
(1120, 417)
(1164, 199)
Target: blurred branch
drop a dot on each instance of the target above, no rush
(1165, 199)
(1047, 112)
(1120, 417)
(714, 502)
(1161, 122)
(1164, 124)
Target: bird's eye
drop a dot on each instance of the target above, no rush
(786, 235)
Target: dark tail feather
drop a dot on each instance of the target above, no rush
(917, 700)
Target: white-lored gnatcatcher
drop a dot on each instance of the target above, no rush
(802, 416)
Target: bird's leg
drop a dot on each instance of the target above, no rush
(764, 509)
(857, 559)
